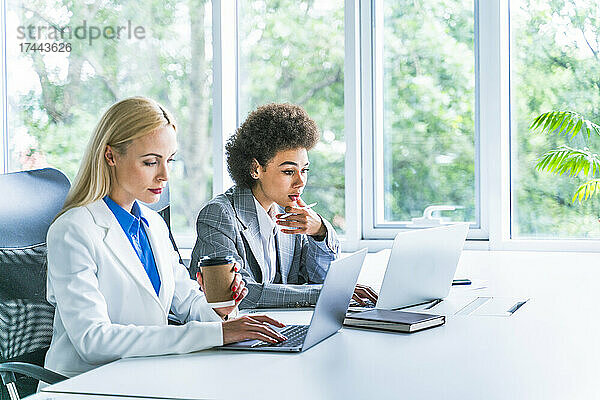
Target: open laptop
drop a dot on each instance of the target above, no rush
(329, 312)
(421, 266)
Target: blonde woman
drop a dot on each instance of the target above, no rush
(112, 272)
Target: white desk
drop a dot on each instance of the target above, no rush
(549, 349)
(75, 396)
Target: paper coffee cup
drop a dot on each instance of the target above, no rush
(217, 276)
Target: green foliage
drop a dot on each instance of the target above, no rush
(554, 66)
(429, 114)
(294, 51)
(58, 104)
(566, 160)
(564, 123)
(569, 161)
(587, 190)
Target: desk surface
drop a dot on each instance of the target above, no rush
(76, 396)
(548, 349)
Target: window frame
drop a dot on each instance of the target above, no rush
(3, 95)
(361, 114)
(372, 100)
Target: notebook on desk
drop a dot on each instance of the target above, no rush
(329, 312)
(421, 267)
(396, 321)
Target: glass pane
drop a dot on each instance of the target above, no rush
(554, 66)
(293, 51)
(108, 51)
(428, 109)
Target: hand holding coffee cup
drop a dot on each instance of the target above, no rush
(222, 285)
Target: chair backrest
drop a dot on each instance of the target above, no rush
(30, 201)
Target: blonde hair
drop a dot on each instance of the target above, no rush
(123, 122)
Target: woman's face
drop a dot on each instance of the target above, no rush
(143, 171)
(283, 179)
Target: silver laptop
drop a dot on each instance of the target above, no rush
(329, 312)
(421, 266)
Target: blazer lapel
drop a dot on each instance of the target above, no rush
(117, 242)
(243, 204)
(162, 251)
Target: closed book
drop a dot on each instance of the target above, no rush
(388, 320)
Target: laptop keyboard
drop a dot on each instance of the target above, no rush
(295, 336)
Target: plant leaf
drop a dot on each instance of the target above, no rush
(587, 190)
(569, 161)
(564, 123)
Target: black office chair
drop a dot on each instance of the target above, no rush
(30, 200)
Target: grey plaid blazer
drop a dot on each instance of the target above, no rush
(228, 225)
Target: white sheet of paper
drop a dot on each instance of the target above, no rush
(451, 305)
(500, 306)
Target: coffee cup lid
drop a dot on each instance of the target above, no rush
(207, 260)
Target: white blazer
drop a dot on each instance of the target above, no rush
(106, 307)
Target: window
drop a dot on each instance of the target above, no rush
(424, 111)
(106, 51)
(293, 51)
(433, 97)
(554, 66)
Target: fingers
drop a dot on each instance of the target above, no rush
(294, 210)
(263, 328)
(360, 292)
(301, 202)
(294, 226)
(300, 223)
(367, 289)
(237, 278)
(372, 294)
(199, 280)
(293, 220)
(252, 327)
(237, 287)
(263, 337)
(243, 294)
(358, 299)
(366, 292)
(290, 231)
(269, 320)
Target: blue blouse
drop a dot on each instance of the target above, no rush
(136, 233)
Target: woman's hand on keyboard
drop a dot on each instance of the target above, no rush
(252, 327)
(363, 293)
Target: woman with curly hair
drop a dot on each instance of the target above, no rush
(283, 246)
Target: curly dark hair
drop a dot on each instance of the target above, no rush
(267, 130)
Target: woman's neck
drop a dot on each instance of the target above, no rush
(262, 199)
(126, 202)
